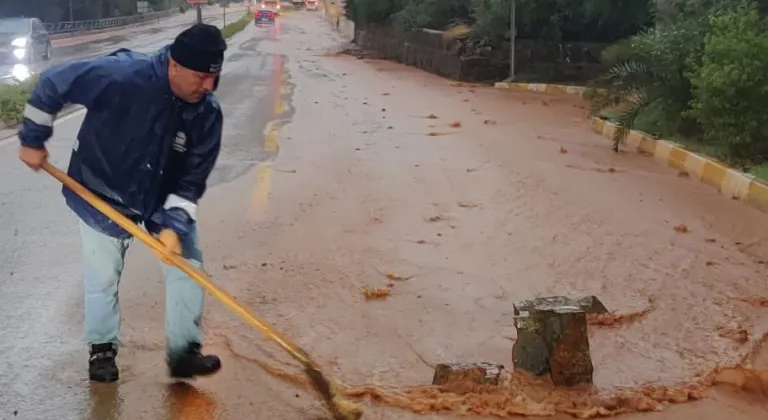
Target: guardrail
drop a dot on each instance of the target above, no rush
(93, 25)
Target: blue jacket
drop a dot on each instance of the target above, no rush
(139, 148)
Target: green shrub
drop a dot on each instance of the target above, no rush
(373, 11)
(730, 84)
(233, 28)
(433, 14)
(647, 79)
(13, 99)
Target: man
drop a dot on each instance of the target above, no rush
(148, 143)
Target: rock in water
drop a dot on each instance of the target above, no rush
(479, 373)
(552, 338)
(570, 362)
(587, 304)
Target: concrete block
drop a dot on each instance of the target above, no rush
(479, 373)
(552, 338)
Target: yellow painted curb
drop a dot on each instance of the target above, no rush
(728, 181)
(543, 87)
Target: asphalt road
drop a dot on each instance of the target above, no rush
(40, 270)
(140, 37)
(453, 200)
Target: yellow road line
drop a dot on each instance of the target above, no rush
(271, 138)
(263, 184)
(260, 201)
(278, 111)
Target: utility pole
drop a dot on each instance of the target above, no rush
(199, 8)
(224, 12)
(71, 15)
(512, 37)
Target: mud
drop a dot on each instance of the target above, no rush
(348, 191)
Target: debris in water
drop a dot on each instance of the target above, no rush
(395, 277)
(287, 171)
(479, 373)
(521, 394)
(435, 134)
(563, 150)
(477, 168)
(466, 205)
(749, 380)
(489, 122)
(372, 294)
(432, 116)
(681, 228)
(735, 332)
(610, 319)
(755, 300)
(455, 124)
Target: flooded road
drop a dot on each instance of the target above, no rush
(339, 174)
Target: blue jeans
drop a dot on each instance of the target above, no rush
(104, 262)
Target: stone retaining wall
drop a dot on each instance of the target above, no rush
(427, 50)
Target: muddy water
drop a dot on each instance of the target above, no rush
(520, 200)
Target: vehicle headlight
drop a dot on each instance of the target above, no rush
(20, 53)
(20, 72)
(19, 42)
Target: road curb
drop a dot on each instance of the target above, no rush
(543, 88)
(729, 182)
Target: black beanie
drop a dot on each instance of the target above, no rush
(200, 48)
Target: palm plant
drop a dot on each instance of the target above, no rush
(649, 72)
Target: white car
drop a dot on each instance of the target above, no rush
(310, 4)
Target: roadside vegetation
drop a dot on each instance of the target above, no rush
(691, 71)
(12, 101)
(233, 28)
(14, 97)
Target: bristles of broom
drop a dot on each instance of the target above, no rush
(341, 408)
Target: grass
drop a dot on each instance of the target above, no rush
(233, 28)
(12, 101)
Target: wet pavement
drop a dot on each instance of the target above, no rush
(333, 178)
(139, 37)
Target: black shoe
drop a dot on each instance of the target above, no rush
(101, 365)
(192, 363)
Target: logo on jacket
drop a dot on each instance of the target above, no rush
(180, 142)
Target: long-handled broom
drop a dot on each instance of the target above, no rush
(340, 408)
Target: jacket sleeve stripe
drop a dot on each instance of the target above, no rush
(174, 201)
(38, 116)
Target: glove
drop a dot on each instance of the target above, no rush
(169, 226)
(172, 244)
(175, 219)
